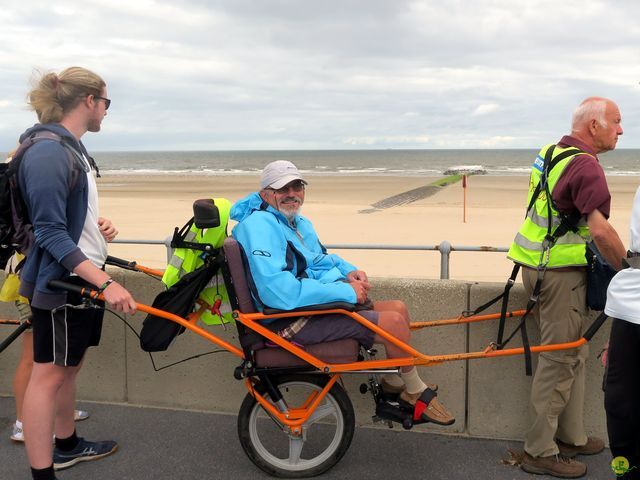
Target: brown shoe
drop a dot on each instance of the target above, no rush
(427, 407)
(555, 465)
(593, 446)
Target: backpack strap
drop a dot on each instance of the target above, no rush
(31, 139)
(549, 164)
(21, 230)
(74, 156)
(505, 303)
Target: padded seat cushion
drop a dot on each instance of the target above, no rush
(339, 351)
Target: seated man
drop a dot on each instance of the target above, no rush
(290, 268)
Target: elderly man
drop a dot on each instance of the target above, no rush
(578, 190)
(290, 268)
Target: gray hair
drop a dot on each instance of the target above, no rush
(591, 108)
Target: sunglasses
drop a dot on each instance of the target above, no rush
(107, 102)
(296, 186)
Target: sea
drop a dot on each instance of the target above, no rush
(390, 162)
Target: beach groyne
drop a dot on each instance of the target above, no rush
(489, 397)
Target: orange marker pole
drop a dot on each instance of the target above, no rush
(464, 199)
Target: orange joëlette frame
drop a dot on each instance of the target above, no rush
(295, 417)
(150, 271)
(7, 321)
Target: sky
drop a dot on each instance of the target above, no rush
(327, 74)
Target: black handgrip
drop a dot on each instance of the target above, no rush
(119, 262)
(15, 334)
(69, 287)
(593, 328)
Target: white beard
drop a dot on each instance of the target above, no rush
(290, 214)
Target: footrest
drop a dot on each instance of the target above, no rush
(393, 412)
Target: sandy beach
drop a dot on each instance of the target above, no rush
(148, 208)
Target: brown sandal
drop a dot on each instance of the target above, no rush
(427, 407)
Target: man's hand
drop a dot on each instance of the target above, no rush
(115, 294)
(119, 298)
(358, 275)
(107, 229)
(360, 288)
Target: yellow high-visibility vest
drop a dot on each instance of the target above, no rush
(527, 247)
(185, 260)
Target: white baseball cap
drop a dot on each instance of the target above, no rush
(279, 173)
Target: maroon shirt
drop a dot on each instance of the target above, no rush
(582, 185)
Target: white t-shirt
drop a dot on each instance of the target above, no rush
(623, 295)
(91, 242)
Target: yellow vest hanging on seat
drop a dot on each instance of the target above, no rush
(185, 260)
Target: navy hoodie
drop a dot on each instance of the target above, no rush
(56, 211)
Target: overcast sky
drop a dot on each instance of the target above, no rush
(324, 74)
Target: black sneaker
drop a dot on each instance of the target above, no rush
(84, 452)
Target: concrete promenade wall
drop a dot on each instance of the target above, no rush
(489, 397)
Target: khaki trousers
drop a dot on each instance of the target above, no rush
(557, 392)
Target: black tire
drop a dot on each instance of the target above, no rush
(323, 444)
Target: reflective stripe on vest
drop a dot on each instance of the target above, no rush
(569, 249)
(185, 260)
(178, 258)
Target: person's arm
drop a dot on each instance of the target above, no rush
(583, 186)
(114, 293)
(265, 247)
(44, 175)
(606, 239)
(341, 264)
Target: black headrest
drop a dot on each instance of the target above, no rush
(205, 213)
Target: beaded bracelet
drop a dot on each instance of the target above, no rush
(105, 285)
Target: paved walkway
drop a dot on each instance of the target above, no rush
(161, 444)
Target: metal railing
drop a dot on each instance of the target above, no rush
(445, 248)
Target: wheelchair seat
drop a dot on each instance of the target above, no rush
(338, 351)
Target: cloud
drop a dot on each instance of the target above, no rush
(249, 74)
(485, 109)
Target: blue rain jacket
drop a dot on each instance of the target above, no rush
(289, 267)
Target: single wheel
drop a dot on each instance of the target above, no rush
(325, 437)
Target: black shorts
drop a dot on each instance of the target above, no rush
(64, 336)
